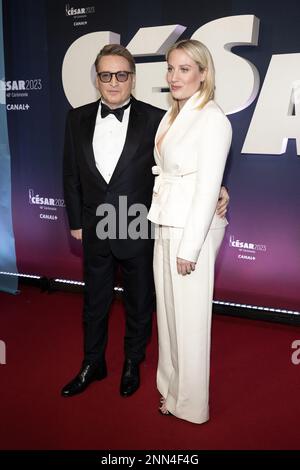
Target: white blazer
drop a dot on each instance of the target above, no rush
(189, 173)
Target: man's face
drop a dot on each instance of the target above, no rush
(115, 93)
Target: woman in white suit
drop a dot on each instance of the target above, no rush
(191, 147)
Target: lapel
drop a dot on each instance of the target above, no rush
(137, 120)
(179, 126)
(88, 127)
(163, 125)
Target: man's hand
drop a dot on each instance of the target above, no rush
(222, 202)
(185, 267)
(77, 234)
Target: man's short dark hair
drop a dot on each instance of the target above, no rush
(116, 49)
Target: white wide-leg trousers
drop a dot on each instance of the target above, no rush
(184, 306)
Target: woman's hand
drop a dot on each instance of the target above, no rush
(222, 202)
(185, 267)
(77, 234)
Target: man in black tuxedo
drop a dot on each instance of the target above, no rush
(108, 156)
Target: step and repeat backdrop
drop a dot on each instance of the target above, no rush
(49, 49)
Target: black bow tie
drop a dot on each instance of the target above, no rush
(118, 112)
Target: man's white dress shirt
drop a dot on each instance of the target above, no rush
(108, 141)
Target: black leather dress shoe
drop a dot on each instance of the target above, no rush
(88, 373)
(130, 380)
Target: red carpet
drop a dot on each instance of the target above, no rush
(255, 388)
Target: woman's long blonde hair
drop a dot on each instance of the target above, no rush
(201, 55)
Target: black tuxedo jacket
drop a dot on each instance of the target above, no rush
(84, 187)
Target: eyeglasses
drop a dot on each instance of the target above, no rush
(121, 76)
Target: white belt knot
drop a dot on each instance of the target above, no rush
(161, 176)
(156, 170)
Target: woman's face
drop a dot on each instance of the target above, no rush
(183, 76)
